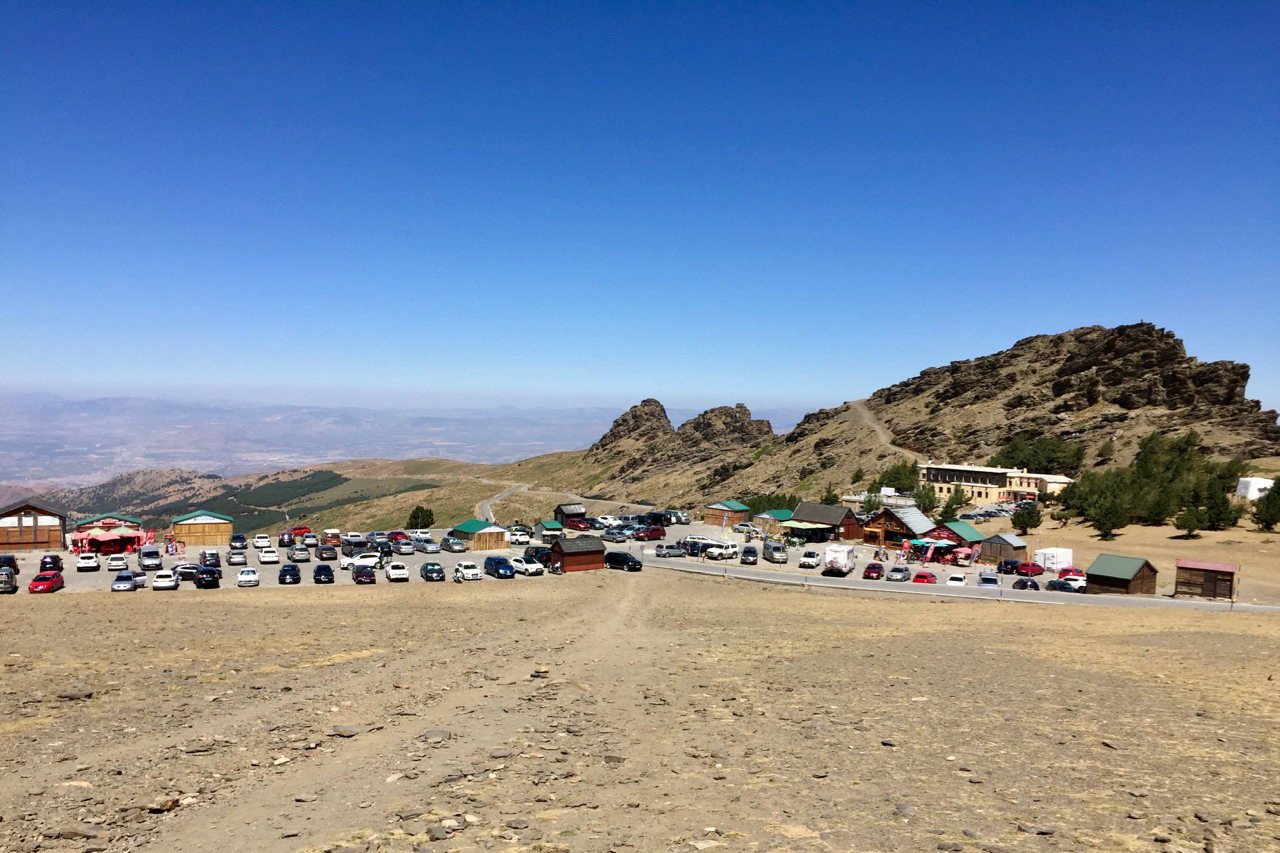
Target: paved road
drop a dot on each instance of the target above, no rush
(1026, 596)
(483, 509)
(882, 433)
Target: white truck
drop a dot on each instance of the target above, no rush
(838, 560)
(1054, 559)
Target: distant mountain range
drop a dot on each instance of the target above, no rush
(48, 441)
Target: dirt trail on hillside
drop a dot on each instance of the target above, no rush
(881, 431)
(602, 711)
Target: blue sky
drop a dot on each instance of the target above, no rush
(587, 204)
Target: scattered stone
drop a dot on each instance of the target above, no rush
(518, 823)
(353, 731)
(1137, 814)
(887, 743)
(1110, 744)
(614, 759)
(969, 833)
(451, 824)
(1161, 838)
(73, 695)
(862, 728)
(1036, 830)
(502, 753)
(1139, 792)
(163, 804)
(411, 814)
(289, 834)
(437, 833)
(78, 831)
(974, 780)
(304, 798)
(438, 735)
(950, 846)
(820, 774)
(905, 809)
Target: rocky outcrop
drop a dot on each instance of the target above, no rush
(636, 427)
(722, 428)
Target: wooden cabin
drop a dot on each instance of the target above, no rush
(1202, 579)
(578, 555)
(1112, 574)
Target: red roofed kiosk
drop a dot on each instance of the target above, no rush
(1202, 579)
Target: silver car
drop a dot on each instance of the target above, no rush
(124, 582)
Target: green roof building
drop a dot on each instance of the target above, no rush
(1116, 575)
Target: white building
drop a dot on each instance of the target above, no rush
(1253, 488)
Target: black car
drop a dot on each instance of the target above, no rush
(383, 547)
(238, 542)
(750, 556)
(541, 553)
(622, 560)
(322, 573)
(289, 573)
(50, 563)
(1008, 567)
(211, 560)
(190, 572)
(285, 540)
(499, 567)
(208, 579)
(595, 523)
(1026, 583)
(1056, 585)
(10, 562)
(326, 552)
(432, 572)
(364, 574)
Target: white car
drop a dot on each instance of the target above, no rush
(745, 527)
(519, 537)
(726, 551)
(526, 566)
(140, 577)
(262, 540)
(956, 580)
(468, 572)
(810, 560)
(396, 572)
(365, 558)
(87, 562)
(1077, 583)
(165, 579)
(268, 555)
(117, 563)
(609, 521)
(248, 577)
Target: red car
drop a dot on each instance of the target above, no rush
(46, 582)
(873, 572)
(577, 524)
(644, 534)
(1070, 573)
(925, 577)
(397, 535)
(298, 531)
(1028, 570)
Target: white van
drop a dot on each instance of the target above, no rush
(722, 551)
(990, 580)
(149, 557)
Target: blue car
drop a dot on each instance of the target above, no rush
(432, 572)
(322, 573)
(499, 567)
(289, 574)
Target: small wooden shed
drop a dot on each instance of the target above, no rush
(580, 554)
(202, 529)
(481, 535)
(1116, 575)
(891, 525)
(564, 512)
(770, 520)
(1003, 546)
(1202, 579)
(33, 523)
(725, 513)
(548, 531)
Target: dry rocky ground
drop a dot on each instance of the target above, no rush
(654, 711)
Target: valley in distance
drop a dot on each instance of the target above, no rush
(664, 711)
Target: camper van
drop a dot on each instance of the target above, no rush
(838, 560)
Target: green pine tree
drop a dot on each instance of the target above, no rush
(1219, 512)
(1107, 451)
(421, 518)
(926, 498)
(830, 497)
(951, 509)
(1027, 519)
(1190, 521)
(1110, 516)
(873, 503)
(1266, 510)
(857, 476)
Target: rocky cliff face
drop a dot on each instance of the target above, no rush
(636, 427)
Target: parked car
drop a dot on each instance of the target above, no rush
(898, 574)
(775, 552)
(368, 558)
(268, 555)
(322, 573)
(298, 554)
(140, 577)
(595, 523)
(873, 572)
(541, 553)
(149, 558)
(526, 566)
(46, 581)
(186, 571)
(1070, 573)
(8, 582)
(165, 579)
(208, 579)
(925, 577)
(239, 542)
(353, 543)
(1056, 585)
(247, 577)
(746, 527)
(499, 567)
(289, 574)
(622, 560)
(262, 540)
(50, 563)
(87, 562)
(10, 562)
(810, 560)
(614, 534)
(1025, 583)
(453, 545)
(284, 540)
(117, 563)
(721, 551)
(396, 573)
(397, 535)
(310, 540)
(648, 534)
(210, 559)
(468, 571)
(665, 550)
(1008, 567)
(988, 580)
(957, 580)
(431, 572)
(326, 552)
(577, 524)
(237, 558)
(518, 537)
(609, 521)
(362, 574)
(299, 530)
(1029, 570)
(403, 547)
(124, 582)
(426, 545)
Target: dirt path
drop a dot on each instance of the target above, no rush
(484, 509)
(882, 433)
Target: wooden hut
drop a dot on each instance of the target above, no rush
(892, 525)
(725, 513)
(1003, 546)
(1202, 579)
(33, 524)
(960, 532)
(1116, 575)
(548, 531)
(202, 529)
(769, 521)
(578, 555)
(822, 521)
(481, 535)
(564, 512)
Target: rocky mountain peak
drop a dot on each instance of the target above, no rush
(635, 427)
(723, 427)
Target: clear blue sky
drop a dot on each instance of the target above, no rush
(787, 204)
